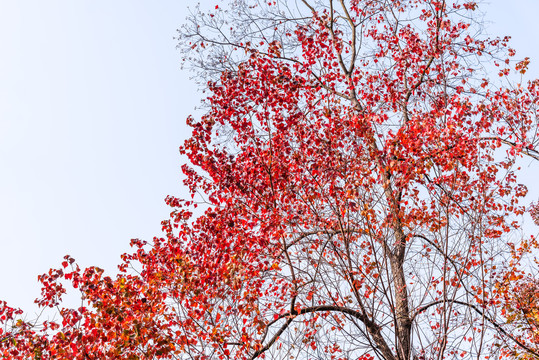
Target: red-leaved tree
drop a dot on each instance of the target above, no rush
(358, 197)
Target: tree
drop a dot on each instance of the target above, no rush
(357, 185)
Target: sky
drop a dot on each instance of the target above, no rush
(92, 111)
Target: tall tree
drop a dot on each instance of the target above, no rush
(357, 179)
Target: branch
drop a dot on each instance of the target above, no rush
(374, 329)
(319, 232)
(457, 268)
(489, 319)
(534, 154)
(273, 339)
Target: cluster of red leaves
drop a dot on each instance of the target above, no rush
(520, 296)
(534, 212)
(352, 198)
(125, 319)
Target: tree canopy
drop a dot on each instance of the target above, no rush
(355, 194)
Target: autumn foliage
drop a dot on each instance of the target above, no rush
(355, 194)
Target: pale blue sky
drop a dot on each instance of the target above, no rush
(92, 111)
